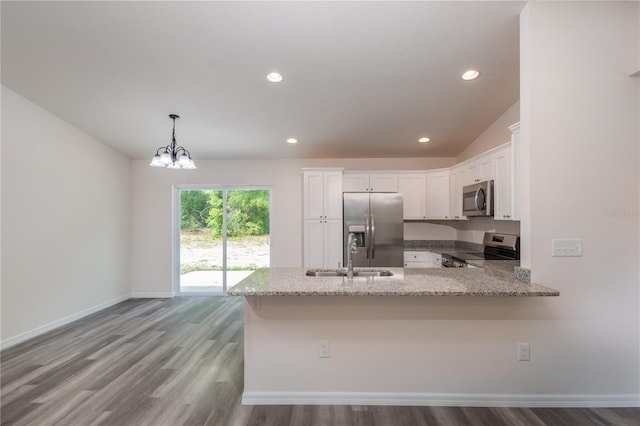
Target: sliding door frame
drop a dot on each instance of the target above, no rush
(175, 240)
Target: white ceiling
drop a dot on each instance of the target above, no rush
(362, 79)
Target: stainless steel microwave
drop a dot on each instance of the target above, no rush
(477, 199)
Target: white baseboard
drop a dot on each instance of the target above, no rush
(12, 341)
(440, 399)
(151, 295)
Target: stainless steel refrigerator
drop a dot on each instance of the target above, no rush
(376, 221)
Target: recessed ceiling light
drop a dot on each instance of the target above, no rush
(424, 140)
(470, 75)
(275, 77)
(292, 140)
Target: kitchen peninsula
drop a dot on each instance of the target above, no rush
(407, 282)
(374, 340)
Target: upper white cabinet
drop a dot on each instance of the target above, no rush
(425, 195)
(507, 177)
(438, 195)
(322, 194)
(516, 170)
(370, 182)
(413, 187)
(503, 188)
(479, 169)
(457, 179)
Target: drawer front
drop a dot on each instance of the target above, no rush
(412, 264)
(417, 256)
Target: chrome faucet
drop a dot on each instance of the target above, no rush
(352, 247)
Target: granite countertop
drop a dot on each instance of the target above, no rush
(404, 282)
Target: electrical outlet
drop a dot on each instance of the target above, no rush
(324, 349)
(524, 352)
(566, 248)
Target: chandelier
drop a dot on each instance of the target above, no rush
(172, 156)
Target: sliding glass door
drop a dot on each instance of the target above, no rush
(222, 236)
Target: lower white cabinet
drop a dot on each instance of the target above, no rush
(322, 243)
(422, 259)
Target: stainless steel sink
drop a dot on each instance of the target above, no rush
(325, 273)
(372, 273)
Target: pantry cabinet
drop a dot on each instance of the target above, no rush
(322, 194)
(322, 243)
(322, 211)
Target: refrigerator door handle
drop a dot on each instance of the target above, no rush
(373, 237)
(366, 234)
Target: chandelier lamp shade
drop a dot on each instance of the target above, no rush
(173, 156)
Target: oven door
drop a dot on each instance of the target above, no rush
(477, 199)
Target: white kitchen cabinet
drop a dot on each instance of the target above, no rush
(503, 188)
(516, 171)
(479, 169)
(418, 259)
(322, 194)
(438, 195)
(425, 195)
(436, 260)
(322, 243)
(322, 218)
(413, 187)
(370, 182)
(422, 259)
(457, 179)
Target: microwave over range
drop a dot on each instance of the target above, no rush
(477, 199)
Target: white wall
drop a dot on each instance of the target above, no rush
(65, 220)
(580, 122)
(495, 135)
(582, 130)
(152, 192)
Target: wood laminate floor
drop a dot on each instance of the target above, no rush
(180, 362)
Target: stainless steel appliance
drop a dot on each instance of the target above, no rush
(497, 246)
(477, 199)
(376, 221)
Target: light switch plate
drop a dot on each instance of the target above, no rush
(566, 248)
(524, 352)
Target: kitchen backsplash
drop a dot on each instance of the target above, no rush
(471, 230)
(427, 244)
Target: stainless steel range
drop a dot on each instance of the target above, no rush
(496, 247)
